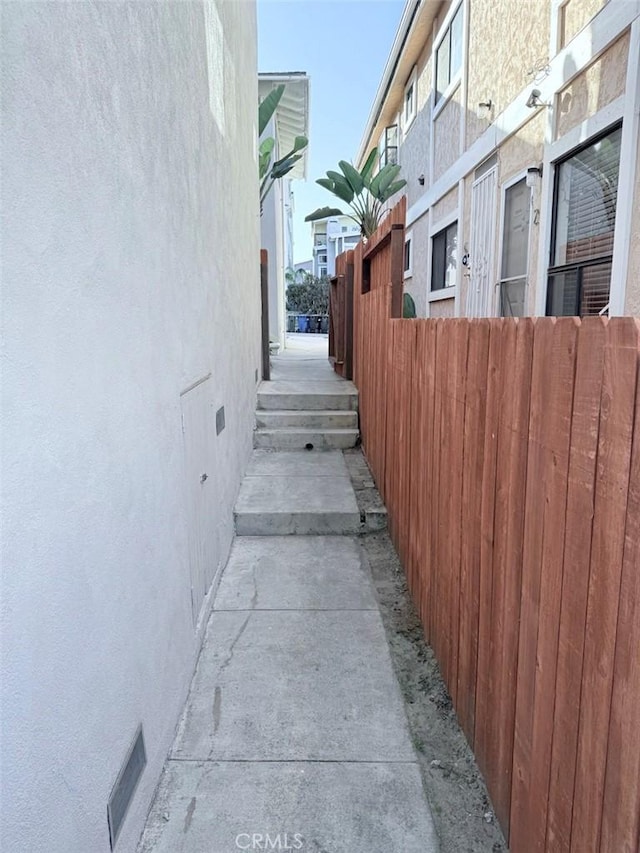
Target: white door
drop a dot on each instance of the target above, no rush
(480, 296)
(198, 427)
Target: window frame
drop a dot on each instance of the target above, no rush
(383, 152)
(408, 244)
(504, 189)
(575, 266)
(442, 228)
(412, 84)
(455, 79)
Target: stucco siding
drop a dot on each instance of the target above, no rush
(130, 271)
(415, 143)
(601, 83)
(576, 14)
(498, 72)
(448, 204)
(442, 308)
(446, 135)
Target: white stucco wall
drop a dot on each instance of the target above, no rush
(130, 221)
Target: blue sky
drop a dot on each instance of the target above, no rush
(343, 46)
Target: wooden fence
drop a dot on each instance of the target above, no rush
(508, 455)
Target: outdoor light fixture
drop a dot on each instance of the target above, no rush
(421, 180)
(534, 173)
(534, 100)
(486, 105)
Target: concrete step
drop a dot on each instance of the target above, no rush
(296, 493)
(308, 396)
(318, 420)
(295, 438)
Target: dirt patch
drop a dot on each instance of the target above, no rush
(463, 815)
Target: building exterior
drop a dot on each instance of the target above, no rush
(291, 119)
(331, 237)
(131, 345)
(516, 128)
(304, 266)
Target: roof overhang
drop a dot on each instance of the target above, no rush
(412, 36)
(292, 114)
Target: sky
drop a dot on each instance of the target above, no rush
(343, 46)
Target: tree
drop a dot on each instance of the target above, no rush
(364, 192)
(309, 296)
(269, 173)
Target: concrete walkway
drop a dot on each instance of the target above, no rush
(294, 736)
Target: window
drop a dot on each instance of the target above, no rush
(409, 105)
(344, 228)
(322, 259)
(584, 217)
(388, 147)
(449, 55)
(444, 254)
(407, 257)
(515, 249)
(322, 271)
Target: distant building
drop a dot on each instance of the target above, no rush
(291, 119)
(304, 266)
(331, 237)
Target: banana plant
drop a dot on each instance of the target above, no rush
(364, 192)
(269, 172)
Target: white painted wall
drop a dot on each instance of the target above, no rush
(130, 221)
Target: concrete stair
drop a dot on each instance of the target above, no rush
(297, 492)
(324, 417)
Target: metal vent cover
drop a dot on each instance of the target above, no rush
(219, 420)
(125, 786)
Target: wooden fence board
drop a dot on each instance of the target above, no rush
(621, 804)
(556, 436)
(612, 479)
(487, 511)
(473, 456)
(513, 429)
(522, 829)
(577, 552)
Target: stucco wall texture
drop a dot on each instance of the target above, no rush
(601, 83)
(130, 246)
(498, 72)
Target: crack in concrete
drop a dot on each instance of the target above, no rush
(189, 816)
(217, 696)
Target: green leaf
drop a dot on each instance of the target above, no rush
(392, 189)
(352, 175)
(367, 169)
(265, 151)
(326, 184)
(283, 167)
(385, 178)
(268, 107)
(408, 307)
(299, 144)
(323, 213)
(341, 187)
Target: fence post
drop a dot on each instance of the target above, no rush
(348, 301)
(397, 269)
(264, 293)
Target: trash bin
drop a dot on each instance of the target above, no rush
(302, 322)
